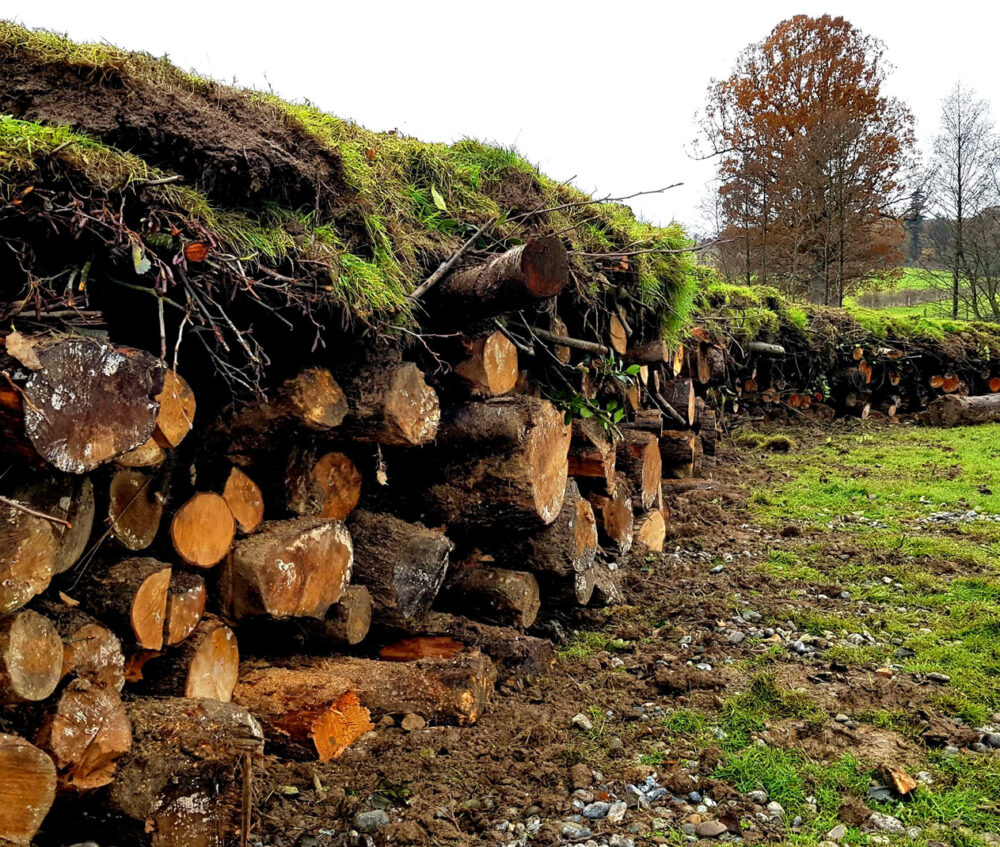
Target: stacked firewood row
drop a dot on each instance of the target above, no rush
(180, 587)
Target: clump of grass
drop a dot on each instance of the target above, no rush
(747, 713)
(586, 643)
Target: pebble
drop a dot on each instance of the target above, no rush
(991, 739)
(735, 636)
(635, 798)
(580, 776)
(412, 722)
(694, 797)
(710, 829)
(759, 797)
(687, 828)
(717, 569)
(838, 832)
(370, 821)
(797, 821)
(934, 676)
(581, 721)
(887, 823)
(979, 747)
(596, 811)
(842, 718)
(308, 841)
(914, 832)
(775, 809)
(619, 840)
(616, 814)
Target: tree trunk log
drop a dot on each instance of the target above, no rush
(91, 651)
(28, 789)
(245, 500)
(287, 569)
(401, 564)
(132, 597)
(31, 657)
(676, 450)
(328, 486)
(304, 712)
(392, 404)
(680, 395)
(86, 733)
(650, 353)
(136, 499)
(651, 531)
(591, 454)
(186, 600)
(491, 594)
(491, 366)
(614, 516)
(618, 335)
(28, 555)
(205, 665)
(639, 462)
(952, 410)
(176, 415)
(203, 529)
(517, 279)
(181, 777)
(90, 402)
(348, 622)
(514, 473)
(69, 498)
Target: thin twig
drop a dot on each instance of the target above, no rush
(447, 265)
(21, 507)
(592, 202)
(166, 180)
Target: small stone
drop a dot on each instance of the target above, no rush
(797, 821)
(717, 569)
(979, 747)
(412, 722)
(580, 776)
(694, 797)
(634, 798)
(687, 828)
(370, 821)
(914, 832)
(775, 810)
(735, 636)
(386, 721)
(838, 832)
(827, 844)
(887, 823)
(581, 721)
(308, 841)
(662, 823)
(888, 673)
(710, 829)
(842, 718)
(596, 811)
(942, 678)
(991, 739)
(759, 797)
(619, 840)
(616, 743)
(616, 814)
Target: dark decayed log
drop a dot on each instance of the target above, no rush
(517, 279)
(69, 498)
(311, 401)
(86, 732)
(614, 516)
(90, 402)
(186, 599)
(348, 622)
(453, 691)
(132, 597)
(566, 546)
(491, 594)
(91, 651)
(679, 393)
(182, 776)
(289, 568)
(28, 553)
(639, 462)
(203, 529)
(953, 410)
(391, 403)
(591, 453)
(205, 665)
(490, 368)
(515, 654)
(175, 418)
(327, 485)
(676, 450)
(401, 564)
(707, 425)
(28, 789)
(303, 712)
(136, 499)
(244, 499)
(505, 466)
(31, 657)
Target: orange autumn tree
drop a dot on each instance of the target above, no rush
(811, 156)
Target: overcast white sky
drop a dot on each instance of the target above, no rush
(603, 92)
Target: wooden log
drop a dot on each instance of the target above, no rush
(245, 501)
(182, 776)
(591, 453)
(205, 665)
(651, 531)
(490, 366)
(203, 529)
(646, 420)
(640, 463)
(90, 402)
(679, 393)
(149, 454)
(515, 654)
(491, 594)
(328, 486)
(28, 554)
(618, 335)
(86, 732)
(707, 426)
(614, 516)
(186, 598)
(132, 597)
(607, 585)
(303, 712)
(310, 401)
(676, 449)
(506, 466)
(136, 499)
(452, 691)
(175, 418)
(28, 789)
(559, 329)
(31, 657)
(401, 564)
(391, 403)
(289, 568)
(766, 349)
(91, 651)
(350, 619)
(954, 410)
(650, 353)
(69, 498)
(517, 279)
(565, 547)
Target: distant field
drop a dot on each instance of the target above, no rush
(919, 292)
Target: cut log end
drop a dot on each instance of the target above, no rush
(244, 499)
(411, 412)
(329, 487)
(28, 789)
(491, 368)
(175, 418)
(203, 529)
(31, 657)
(214, 664)
(28, 554)
(135, 507)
